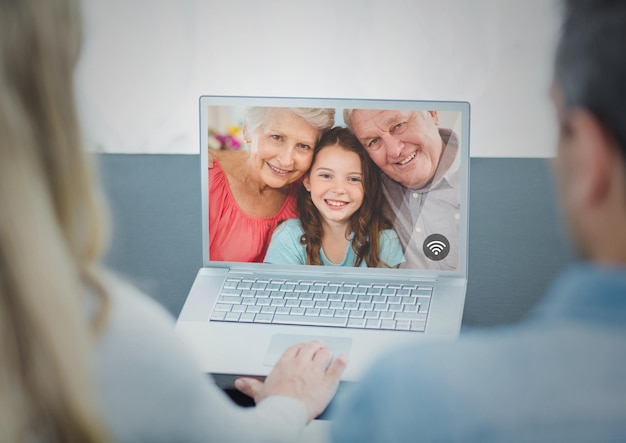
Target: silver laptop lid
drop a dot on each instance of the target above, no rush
(431, 221)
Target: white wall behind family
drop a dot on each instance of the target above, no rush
(145, 62)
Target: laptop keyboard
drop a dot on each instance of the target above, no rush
(314, 303)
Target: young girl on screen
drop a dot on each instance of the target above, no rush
(341, 221)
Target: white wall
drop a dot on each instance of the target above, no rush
(145, 62)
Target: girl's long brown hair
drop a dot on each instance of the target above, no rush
(366, 223)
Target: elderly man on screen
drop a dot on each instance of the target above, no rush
(420, 180)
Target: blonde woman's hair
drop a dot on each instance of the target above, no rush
(51, 233)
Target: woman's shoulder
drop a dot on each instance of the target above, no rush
(126, 302)
(228, 161)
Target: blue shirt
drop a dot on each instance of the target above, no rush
(285, 247)
(559, 376)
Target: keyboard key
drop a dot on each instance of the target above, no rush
(222, 307)
(410, 308)
(357, 314)
(372, 324)
(419, 326)
(356, 322)
(229, 299)
(309, 320)
(263, 318)
(246, 317)
(218, 315)
(410, 316)
(374, 291)
(232, 316)
(403, 325)
(231, 284)
(386, 315)
(388, 324)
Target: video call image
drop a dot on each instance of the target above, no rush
(334, 187)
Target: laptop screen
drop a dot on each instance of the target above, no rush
(349, 186)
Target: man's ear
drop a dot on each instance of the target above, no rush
(593, 157)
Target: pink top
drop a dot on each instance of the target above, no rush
(233, 234)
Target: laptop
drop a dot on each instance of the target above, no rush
(429, 299)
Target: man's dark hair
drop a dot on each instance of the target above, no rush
(590, 64)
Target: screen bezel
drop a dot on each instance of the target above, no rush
(244, 101)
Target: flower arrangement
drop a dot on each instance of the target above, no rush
(229, 140)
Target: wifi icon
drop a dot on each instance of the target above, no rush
(436, 247)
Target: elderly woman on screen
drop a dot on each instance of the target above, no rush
(251, 191)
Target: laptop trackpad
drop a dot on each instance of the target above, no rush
(280, 342)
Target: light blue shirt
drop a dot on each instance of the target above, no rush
(285, 247)
(560, 376)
